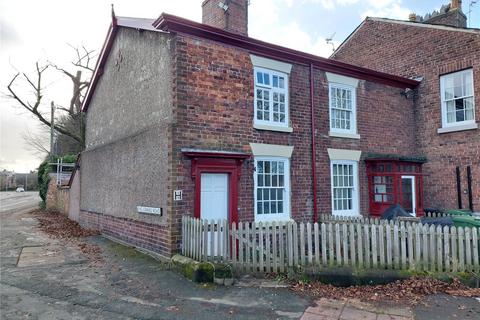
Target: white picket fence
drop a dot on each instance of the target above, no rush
(279, 246)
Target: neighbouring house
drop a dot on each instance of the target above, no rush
(445, 54)
(198, 119)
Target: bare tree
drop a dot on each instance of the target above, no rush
(37, 142)
(71, 123)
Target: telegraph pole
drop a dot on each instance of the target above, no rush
(52, 125)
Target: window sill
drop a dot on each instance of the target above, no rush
(461, 127)
(272, 128)
(344, 135)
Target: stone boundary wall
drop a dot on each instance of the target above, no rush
(58, 198)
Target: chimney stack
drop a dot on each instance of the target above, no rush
(456, 4)
(229, 15)
(449, 15)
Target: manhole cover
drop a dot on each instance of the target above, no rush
(34, 256)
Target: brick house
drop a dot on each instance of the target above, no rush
(440, 50)
(186, 118)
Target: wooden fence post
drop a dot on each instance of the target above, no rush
(353, 255)
(316, 244)
(267, 247)
(290, 244)
(381, 245)
(446, 248)
(374, 245)
(323, 234)
(309, 243)
(366, 242)
(461, 249)
(475, 248)
(331, 253)
(240, 237)
(439, 236)
(275, 250)
(360, 245)
(295, 244)
(345, 244)
(281, 246)
(338, 245)
(468, 249)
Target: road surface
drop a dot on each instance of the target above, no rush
(16, 201)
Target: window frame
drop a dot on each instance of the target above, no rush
(353, 118)
(443, 102)
(271, 89)
(286, 195)
(355, 192)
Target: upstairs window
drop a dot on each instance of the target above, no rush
(342, 109)
(271, 97)
(458, 106)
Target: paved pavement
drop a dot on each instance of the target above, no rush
(353, 309)
(45, 278)
(14, 201)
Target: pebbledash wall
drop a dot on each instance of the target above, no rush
(215, 111)
(127, 142)
(418, 50)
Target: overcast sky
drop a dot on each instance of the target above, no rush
(41, 30)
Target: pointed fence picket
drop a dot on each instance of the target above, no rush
(357, 243)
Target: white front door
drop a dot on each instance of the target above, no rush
(214, 205)
(214, 196)
(408, 194)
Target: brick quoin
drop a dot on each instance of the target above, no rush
(410, 50)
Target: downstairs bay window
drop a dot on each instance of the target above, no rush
(272, 188)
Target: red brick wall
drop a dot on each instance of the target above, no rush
(142, 235)
(214, 98)
(235, 19)
(408, 50)
(385, 122)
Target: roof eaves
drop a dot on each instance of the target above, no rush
(349, 37)
(169, 22)
(112, 30)
(426, 25)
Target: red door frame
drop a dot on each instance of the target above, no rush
(210, 162)
(377, 209)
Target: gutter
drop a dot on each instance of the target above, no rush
(314, 150)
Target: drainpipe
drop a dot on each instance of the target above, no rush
(314, 155)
